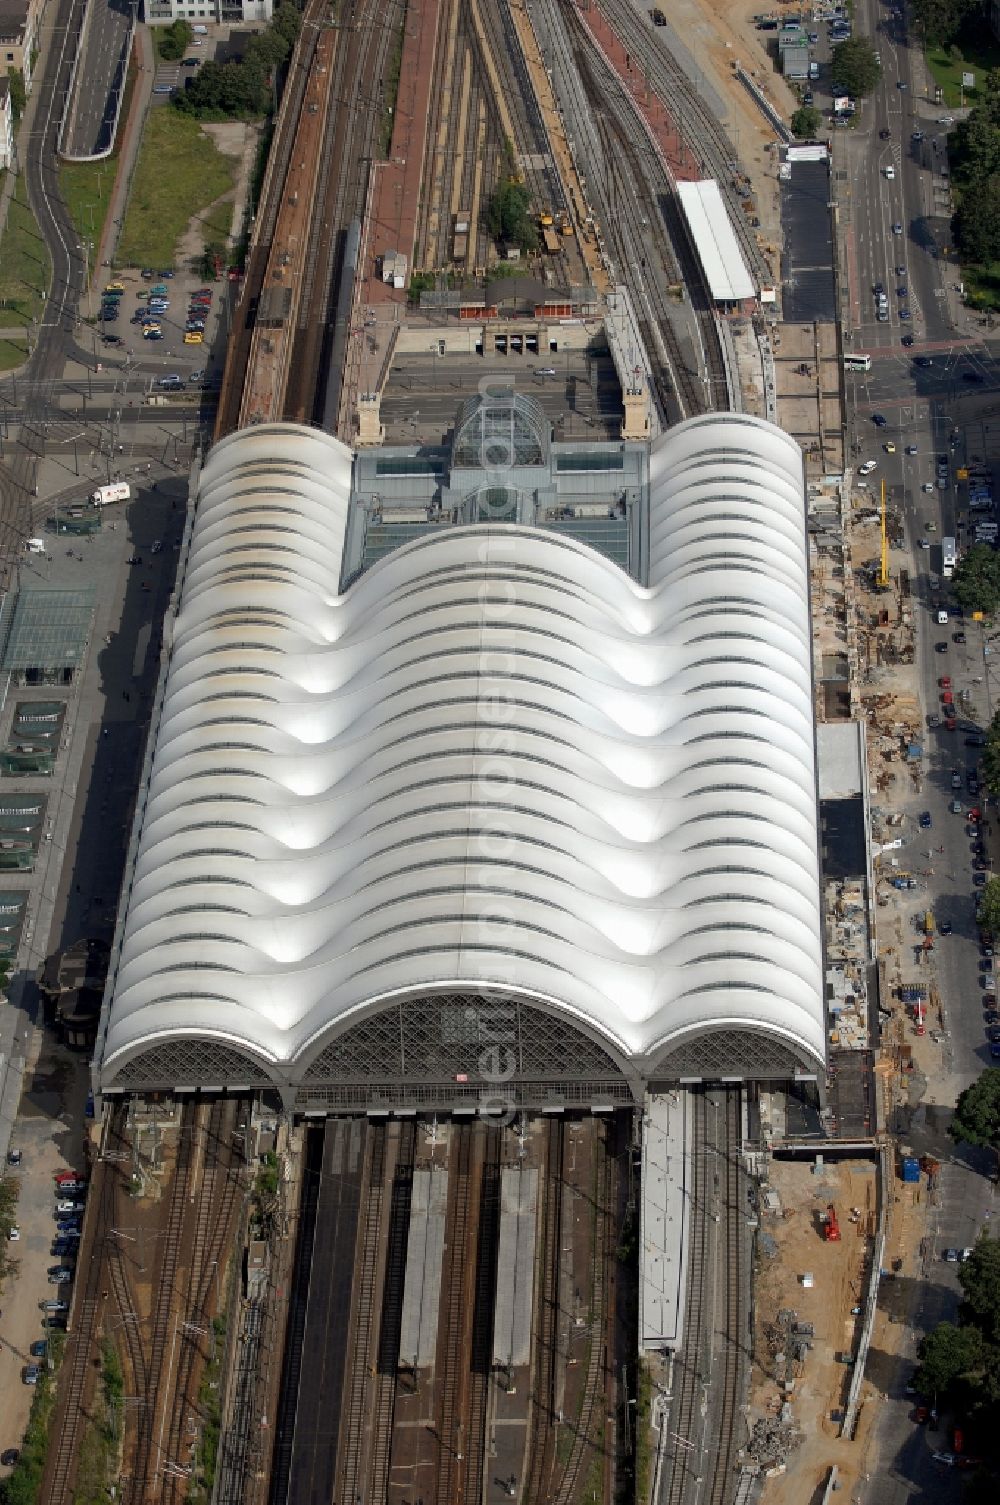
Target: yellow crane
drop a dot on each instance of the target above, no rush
(883, 574)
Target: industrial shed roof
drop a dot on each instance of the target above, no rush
(494, 761)
(715, 241)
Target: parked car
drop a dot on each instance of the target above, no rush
(31, 1374)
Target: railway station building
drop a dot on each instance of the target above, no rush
(480, 775)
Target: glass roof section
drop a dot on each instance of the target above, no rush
(49, 629)
(498, 429)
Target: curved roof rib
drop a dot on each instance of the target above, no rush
(494, 759)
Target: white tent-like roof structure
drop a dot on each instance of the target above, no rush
(494, 763)
(714, 239)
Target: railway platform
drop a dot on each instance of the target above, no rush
(666, 1199)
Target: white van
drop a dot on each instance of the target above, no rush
(35, 545)
(117, 491)
(890, 171)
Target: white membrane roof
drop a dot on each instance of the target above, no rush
(715, 240)
(495, 760)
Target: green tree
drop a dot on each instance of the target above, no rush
(174, 40)
(975, 147)
(979, 1278)
(806, 122)
(991, 756)
(976, 582)
(977, 1112)
(855, 67)
(287, 22)
(939, 21)
(988, 911)
(946, 1355)
(977, 224)
(508, 217)
(18, 93)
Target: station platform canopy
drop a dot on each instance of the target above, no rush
(714, 240)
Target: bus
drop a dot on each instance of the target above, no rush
(948, 557)
(857, 362)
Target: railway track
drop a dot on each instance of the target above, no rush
(238, 355)
(453, 1369)
(635, 177)
(234, 1452)
(681, 98)
(630, 186)
(215, 1201)
(688, 1370)
(483, 1310)
(366, 1320)
(145, 1465)
(392, 1315)
(71, 1415)
(729, 1373)
(427, 253)
(546, 1335)
(350, 143)
(542, 181)
(708, 1374)
(595, 1398)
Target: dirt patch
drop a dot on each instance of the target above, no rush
(792, 1246)
(233, 139)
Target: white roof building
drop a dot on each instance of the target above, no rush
(714, 240)
(494, 813)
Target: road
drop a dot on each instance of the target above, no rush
(100, 79)
(18, 472)
(937, 396)
(916, 198)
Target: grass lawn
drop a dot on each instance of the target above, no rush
(13, 353)
(179, 172)
(25, 265)
(86, 187)
(980, 51)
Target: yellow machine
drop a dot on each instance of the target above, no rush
(883, 574)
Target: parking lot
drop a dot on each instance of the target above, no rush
(48, 1139)
(164, 312)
